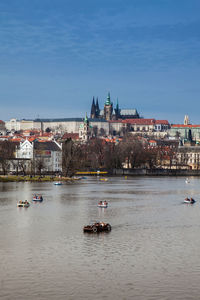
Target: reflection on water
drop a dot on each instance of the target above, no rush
(152, 251)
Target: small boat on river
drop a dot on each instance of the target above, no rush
(103, 204)
(57, 183)
(95, 227)
(189, 200)
(104, 179)
(37, 198)
(23, 203)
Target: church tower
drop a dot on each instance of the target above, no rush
(93, 110)
(186, 120)
(117, 111)
(85, 131)
(108, 109)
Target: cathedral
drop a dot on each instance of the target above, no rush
(110, 113)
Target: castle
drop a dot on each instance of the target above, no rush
(108, 113)
(106, 121)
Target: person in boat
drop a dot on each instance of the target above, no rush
(191, 200)
(41, 198)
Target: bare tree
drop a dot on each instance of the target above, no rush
(132, 151)
(7, 150)
(150, 158)
(112, 156)
(22, 165)
(72, 157)
(4, 165)
(95, 152)
(16, 166)
(39, 164)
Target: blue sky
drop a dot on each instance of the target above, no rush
(55, 55)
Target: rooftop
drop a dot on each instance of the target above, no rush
(185, 126)
(46, 146)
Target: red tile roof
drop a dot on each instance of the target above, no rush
(16, 140)
(164, 122)
(73, 136)
(31, 139)
(141, 121)
(184, 126)
(152, 142)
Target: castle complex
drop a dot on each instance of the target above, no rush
(99, 120)
(108, 113)
(103, 122)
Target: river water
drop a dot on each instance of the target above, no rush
(152, 252)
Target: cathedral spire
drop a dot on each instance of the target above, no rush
(93, 109)
(117, 105)
(97, 108)
(97, 104)
(117, 111)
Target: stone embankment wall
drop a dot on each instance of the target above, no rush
(155, 172)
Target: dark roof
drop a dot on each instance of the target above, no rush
(60, 120)
(97, 120)
(65, 120)
(52, 146)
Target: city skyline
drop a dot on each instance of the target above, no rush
(56, 55)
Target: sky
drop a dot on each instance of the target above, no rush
(55, 55)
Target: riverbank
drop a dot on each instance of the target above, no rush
(114, 172)
(155, 172)
(14, 178)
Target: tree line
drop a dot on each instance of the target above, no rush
(131, 152)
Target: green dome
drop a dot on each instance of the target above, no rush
(86, 118)
(108, 100)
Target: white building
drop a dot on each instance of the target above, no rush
(49, 155)
(70, 125)
(46, 154)
(189, 156)
(25, 150)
